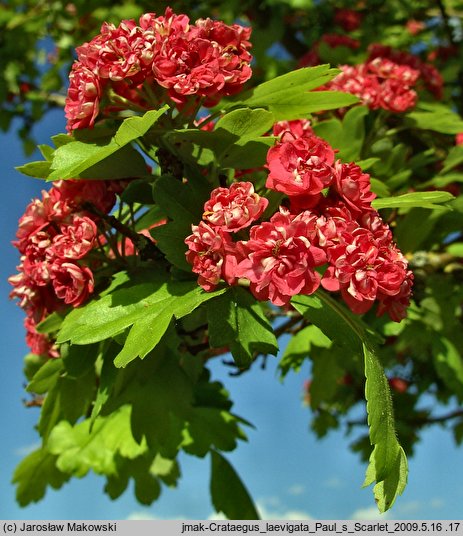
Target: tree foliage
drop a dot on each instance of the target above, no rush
(121, 327)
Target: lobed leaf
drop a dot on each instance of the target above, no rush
(34, 473)
(228, 493)
(236, 319)
(80, 449)
(388, 464)
(74, 158)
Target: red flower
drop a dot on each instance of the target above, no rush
(76, 239)
(208, 59)
(83, 98)
(72, 283)
(207, 249)
(298, 128)
(234, 208)
(379, 83)
(119, 53)
(348, 19)
(364, 270)
(39, 343)
(75, 192)
(300, 167)
(280, 257)
(352, 270)
(354, 187)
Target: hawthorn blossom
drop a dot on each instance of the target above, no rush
(72, 282)
(430, 76)
(119, 53)
(76, 239)
(207, 253)
(348, 19)
(297, 128)
(379, 83)
(234, 208)
(301, 166)
(39, 343)
(83, 98)
(280, 257)
(76, 192)
(207, 59)
(353, 186)
(363, 270)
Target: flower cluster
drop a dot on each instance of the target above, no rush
(55, 236)
(430, 76)
(330, 236)
(208, 59)
(379, 83)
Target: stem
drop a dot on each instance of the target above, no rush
(142, 243)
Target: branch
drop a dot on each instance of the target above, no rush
(142, 243)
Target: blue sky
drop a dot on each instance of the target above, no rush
(290, 474)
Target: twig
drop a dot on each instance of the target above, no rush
(142, 243)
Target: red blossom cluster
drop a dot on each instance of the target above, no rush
(55, 236)
(208, 59)
(379, 83)
(330, 235)
(348, 19)
(430, 76)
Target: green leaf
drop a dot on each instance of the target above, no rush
(35, 472)
(454, 158)
(183, 203)
(79, 360)
(51, 323)
(147, 306)
(246, 123)
(147, 486)
(160, 394)
(46, 377)
(442, 119)
(431, 200)
(170, 239)
(108, 375)
(236, 319)
(68, 399)
(335, 326)
(114, 312)
(178, 300)
(455, 249)
(72, 159)
(168, 470)
(379, 188)
(228, 492)
(78, 449)
(388, 464)
(449, 364)
(246, 154)
(347, 136)
(441, 181)
(289, 84)
(138, 191)
(326, 372)
(38, 170)
(298, 348)
(288, 97)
